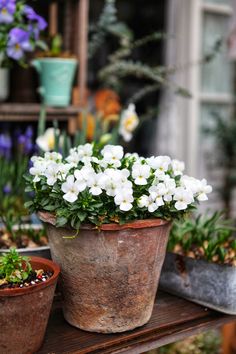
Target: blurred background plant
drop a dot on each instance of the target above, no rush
(207, 236)
(205, 343)
(15, 152)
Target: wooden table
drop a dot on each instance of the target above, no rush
(173, 319)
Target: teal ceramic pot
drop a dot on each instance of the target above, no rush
(56, 80)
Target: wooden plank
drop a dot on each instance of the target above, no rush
(30, 112)
(172, 319)
(53, 19)
(83, 48)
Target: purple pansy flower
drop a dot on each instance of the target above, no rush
(7, 189)
(7, 9)
(38, 23)
(18, 43)
(5, 145)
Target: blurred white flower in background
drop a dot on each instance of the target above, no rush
(46, 142)
(128, 122)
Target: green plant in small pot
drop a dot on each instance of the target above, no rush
(27, 287)
(201, 262)
(56, 74)
(108, 216)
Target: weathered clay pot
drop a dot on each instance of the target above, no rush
(109, 277)
(24, 312)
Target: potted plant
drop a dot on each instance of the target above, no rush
(107, 216)
(27, 287)
(200, 264)
(16, 229)
(20, 28)
(56, 71)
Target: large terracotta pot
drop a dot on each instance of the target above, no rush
(109, 277)
(24, 312)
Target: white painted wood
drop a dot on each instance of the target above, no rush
(221, 9)
(216, 98)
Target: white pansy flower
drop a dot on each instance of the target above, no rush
(71, 189)
(73, 158)
(63, 170)
(124, 200)
(85, 150)
(183, 198)
(203, 190)
(148, 202)
(51, 173)
(140, 173)
(53, 156)
(128, 122)
(178, 167)
(112, 154)
(38, 170)
(96, 183)
(190, 183)
(46, 142)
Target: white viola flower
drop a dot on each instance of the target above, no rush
(190, 183)
(203, 190)
(148, 202)
(143, 201)
(46, 142)
(170, 185)
(96, 183)
(178, 167)
(73, 158)
(160, 164)
(53, 156)
(38, 170)
(112, 154)
(124, 200)
(157, 193)
(71, 189)
(128, 122)
(111, 187)
(64, 169)
(183, 198)
(85, 150)
(140, 173)
(51, 173)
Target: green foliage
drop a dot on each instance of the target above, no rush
(204, 343)
(206, 235)
(14, 268)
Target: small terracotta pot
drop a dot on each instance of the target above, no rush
(109, 277)
(24, 312)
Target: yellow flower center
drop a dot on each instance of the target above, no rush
(4, 11)
(129, 122)
(17, 46)
(51, 142)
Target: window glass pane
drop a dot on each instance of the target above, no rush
(217, 76)
(209, 165)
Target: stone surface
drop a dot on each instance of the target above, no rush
(109, 277)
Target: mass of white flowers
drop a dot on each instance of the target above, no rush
(101, 186)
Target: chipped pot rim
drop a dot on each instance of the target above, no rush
(136, 224)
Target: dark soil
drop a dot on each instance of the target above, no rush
(35, 277)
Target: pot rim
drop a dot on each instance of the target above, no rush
(57, 59)
(39, 286)
(136, 224)
(201, 260)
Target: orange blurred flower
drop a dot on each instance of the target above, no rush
(91, 123)
(107, 103)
